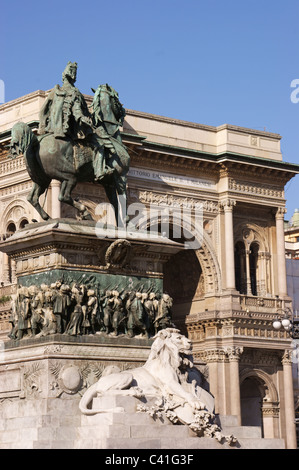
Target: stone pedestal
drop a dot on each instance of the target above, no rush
(42, 381)
(85, 252)
(43, 377)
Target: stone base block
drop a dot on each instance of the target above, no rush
(42, 386)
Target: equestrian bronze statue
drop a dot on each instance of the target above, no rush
(74, 145)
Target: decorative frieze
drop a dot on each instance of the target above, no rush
(169, 200)
(211, 355)
(260, 357)
(270, 411)
(226, 354)
(257, 325)
(258, 189)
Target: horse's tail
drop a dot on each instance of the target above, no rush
(24, 142)
(21, 137)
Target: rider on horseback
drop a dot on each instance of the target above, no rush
(65, 114)
(76, 146)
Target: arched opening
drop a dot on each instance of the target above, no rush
(183, 277)
(11, 228)
(240, 267)
(251, 403)
(183, 280)
(259, 402)
(253, 263)
(23, 223)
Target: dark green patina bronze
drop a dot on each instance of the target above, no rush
(75, 145)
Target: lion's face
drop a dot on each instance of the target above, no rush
(171, 350)
(182, 343)
(174, 341)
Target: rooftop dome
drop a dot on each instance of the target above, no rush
(295, 218)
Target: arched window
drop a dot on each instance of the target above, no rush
(253, 263)
(23, 223)
(11, 228)
(240, 267)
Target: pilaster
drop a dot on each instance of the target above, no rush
(291, 440)
(234, 354)
(280, 243)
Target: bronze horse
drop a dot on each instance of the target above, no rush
(72, 162)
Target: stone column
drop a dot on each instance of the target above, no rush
(281, 260)
(13, 271)
(228, 205)
(291, 441)
(270, 414)
(56, 204)
(214, 358)
(234, 354)
(6, 269)
(262, 275)
(248, 280)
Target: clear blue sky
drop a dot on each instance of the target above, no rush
(211, 62)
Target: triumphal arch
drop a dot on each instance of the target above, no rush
(215, 195)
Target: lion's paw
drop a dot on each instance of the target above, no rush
(137, 392)
(197, 405)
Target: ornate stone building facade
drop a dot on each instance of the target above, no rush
(223, 189)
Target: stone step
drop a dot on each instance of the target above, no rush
(262, 443)
(133, 431)
(179, 443)
(229, 425)
(241, 432)
(123, 418)
(227, 420)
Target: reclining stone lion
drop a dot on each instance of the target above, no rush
(169, 377)
(166, 374)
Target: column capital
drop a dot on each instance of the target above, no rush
(213, 355)
(227, 204)
(287, 357)
(55, 183)
(280, 212)
(233, 352)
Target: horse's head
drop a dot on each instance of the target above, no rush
(21, 138)
(106, 106)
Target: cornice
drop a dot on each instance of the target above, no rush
(227, 162)
(22, 99)
(156, 117)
